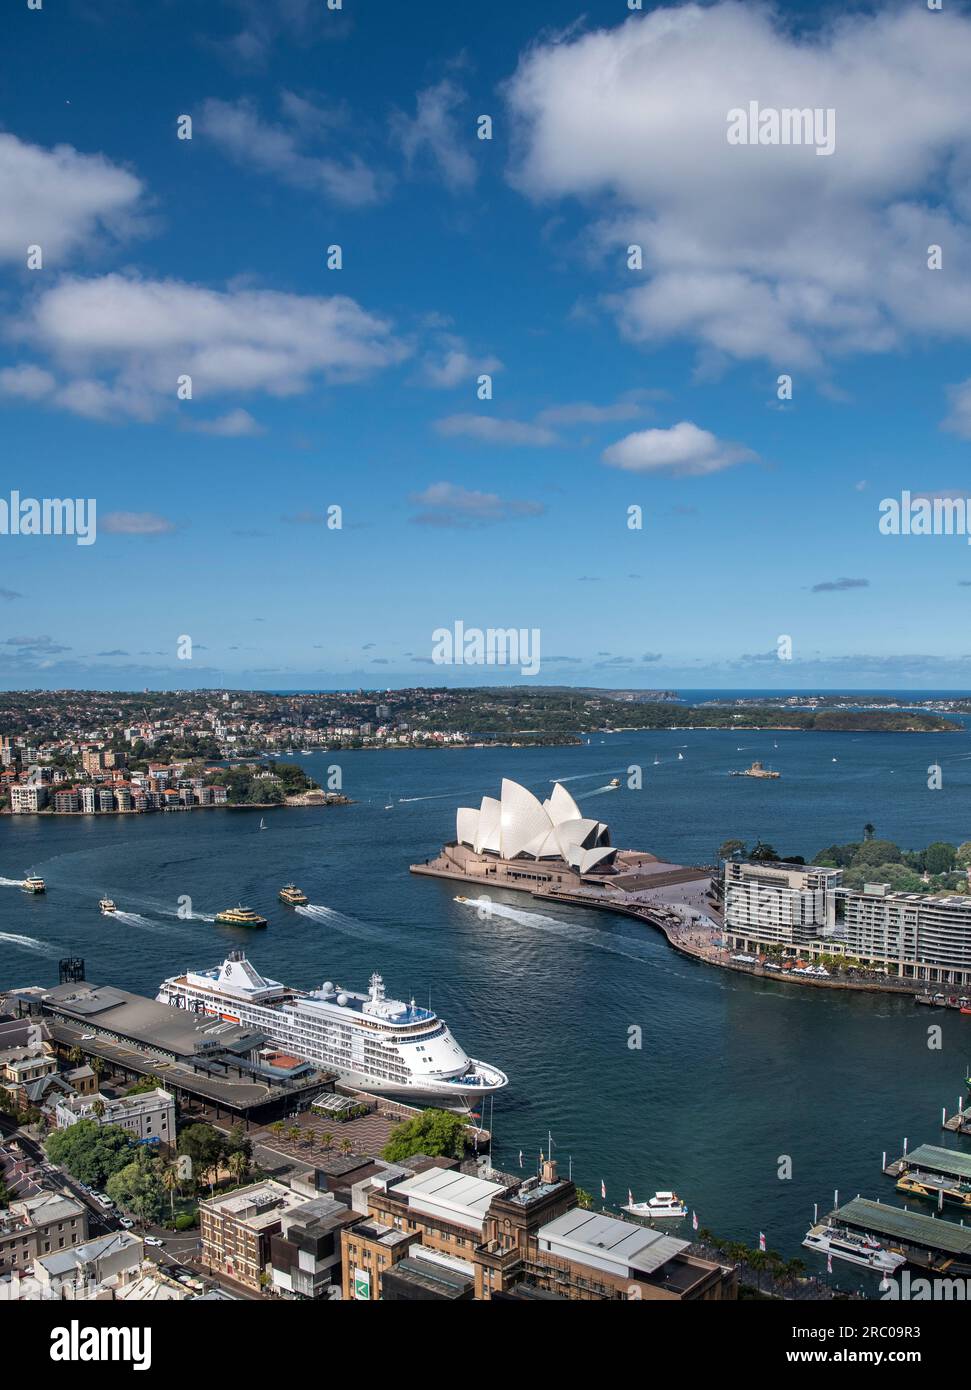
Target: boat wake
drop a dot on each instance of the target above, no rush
(597, 791)
(28, 943)
(350, 926)
(133, 919)
(570, 931)
(11, 882)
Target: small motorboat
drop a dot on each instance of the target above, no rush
(460, 899)
(614, 782)
(662, 1206)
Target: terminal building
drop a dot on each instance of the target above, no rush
(228, 1068)
(805, 911)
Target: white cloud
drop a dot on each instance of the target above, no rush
(959, 417)
(452, 365)
(435, 132)
(255, 144)
(447, 504)
(684, 450)
(60, 199)
(490, 429)
(136, 524)
(764, 251)
(235, 424)
(27, 381)
(123, 342)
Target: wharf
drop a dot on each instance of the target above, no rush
(927, 1241)
(960, 1122)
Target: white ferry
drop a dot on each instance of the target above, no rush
(374, 1043)
(855, 1249)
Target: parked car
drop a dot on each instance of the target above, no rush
(154, 1240)
(125, 1223)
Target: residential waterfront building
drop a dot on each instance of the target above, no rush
(806, 912)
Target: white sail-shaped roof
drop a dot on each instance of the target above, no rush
(488, 837)
(562, 807)
(522, 818)
(520, 825)
(466, 826)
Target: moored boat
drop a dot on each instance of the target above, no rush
(852, 1247)
(663, 1206)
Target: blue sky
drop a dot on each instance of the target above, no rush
(357, 387)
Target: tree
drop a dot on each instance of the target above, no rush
(939, 857)
(138, 1189)
(433, 1132)
(326, 1140)
(90, 1152)
(346, 1146)
(877, 852)
(584, 1199)
(98, 1108)
(730, 848)
(763, 853)
(963, 856)
(169, 1178)
(293, 1134)
(238, 1164)
(205, 1146)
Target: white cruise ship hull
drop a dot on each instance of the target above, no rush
(369, 1042)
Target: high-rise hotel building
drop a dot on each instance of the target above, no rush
(805, 910)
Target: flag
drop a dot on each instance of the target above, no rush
(761, 1240)
(603, 1190)
(694, 1221)
(520, 1158)
(630, 1198)
(829, 1263)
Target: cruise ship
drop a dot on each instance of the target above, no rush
(374, 1043)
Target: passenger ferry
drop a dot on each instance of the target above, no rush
(292, 895)
(855, 1249)
(374, 1043)
(33, 885)
(240, 917)
(107, 907)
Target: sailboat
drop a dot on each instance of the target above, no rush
(262, 823)
(680, 757)
(657, 762)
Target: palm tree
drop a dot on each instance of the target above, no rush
(346, 1146)
(75, 1056)
(98, 1108)
(277, 1127)
(169, 1178)
(238, 1164)
(326, 1140)
(310, 1138)
(293, 1134)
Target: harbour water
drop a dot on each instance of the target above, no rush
(734, 1075)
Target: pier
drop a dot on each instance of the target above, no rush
(960, 1121)
(939, 1175)
(927, 1241)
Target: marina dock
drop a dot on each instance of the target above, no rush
(939, 1175)
(959, 1122)
(927, 1241)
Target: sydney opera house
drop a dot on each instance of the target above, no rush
(517, 841)
(520, 826)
